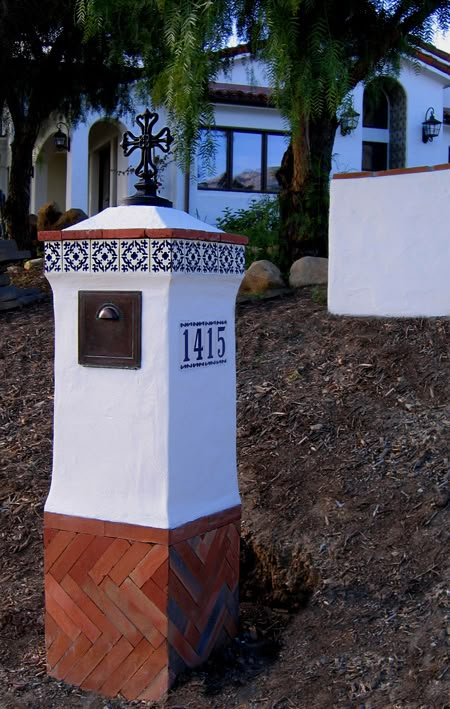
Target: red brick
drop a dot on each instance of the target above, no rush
(108, 665)
(128, 562)
(142, 679)
(112, 612)
(73, 654)
(85, 234)
(94, 551)
(61, 618)
(70, 555)
(57, 649)
(106, 562)
(215, 634)
(159, 686)
(146, 606)
(156, 595)
(124, 233)
(73, 611)
(351, 175)
(56, 547)
(136, 532)
(89, 661)
(127, 669)
(49, 235)
(182, 647)
(178, 592)
(134, 609)
(192, 635)
(51, 630)
(161, 576)
(74, 524)
(204, 524)
(150, 563)
(48, 536)
(442, 166)
(90, 609)
(189, 557)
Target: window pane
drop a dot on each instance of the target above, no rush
(375, 109)
(276, 147)
(247, 161)
(212, 168)
(374, 156)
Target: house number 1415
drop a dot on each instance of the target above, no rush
(203, 343)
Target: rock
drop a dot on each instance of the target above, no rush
(308, 271)
(260, 277)
(72, 216)
(33, 264)
(50, 217)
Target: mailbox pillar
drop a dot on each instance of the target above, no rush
(142, 519)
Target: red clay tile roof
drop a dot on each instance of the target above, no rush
(239, 93)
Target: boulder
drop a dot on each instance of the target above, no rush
(50, 217)
(308, 271)
(260, 277)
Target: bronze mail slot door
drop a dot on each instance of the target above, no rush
(109, 329)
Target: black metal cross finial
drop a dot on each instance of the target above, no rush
(147, 170)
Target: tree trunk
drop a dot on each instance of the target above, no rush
(304, 196)
(17, 206)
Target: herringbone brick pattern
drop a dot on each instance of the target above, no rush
(106, 619)
(203, 595)
(125, 616)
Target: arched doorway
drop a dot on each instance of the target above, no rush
(107, 165)
(384, 125)
(50, 175)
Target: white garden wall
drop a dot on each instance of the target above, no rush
(390, 243)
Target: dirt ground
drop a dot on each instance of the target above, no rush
(343, 454)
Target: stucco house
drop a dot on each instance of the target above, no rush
(250, 138)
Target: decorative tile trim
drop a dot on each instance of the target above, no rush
(189, 234)
(125, 617)
(144, 255)
(53, 256)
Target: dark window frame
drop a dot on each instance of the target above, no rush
(229, 130)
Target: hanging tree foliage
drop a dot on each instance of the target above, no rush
(46, 66)
(316, 52)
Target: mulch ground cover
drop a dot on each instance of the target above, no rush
(343, 454)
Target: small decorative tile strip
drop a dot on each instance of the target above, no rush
(151, 256)
(125, 616)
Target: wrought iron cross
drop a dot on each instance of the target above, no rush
(146, 169)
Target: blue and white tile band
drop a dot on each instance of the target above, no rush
(143, 256)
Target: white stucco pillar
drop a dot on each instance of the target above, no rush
(144, 508)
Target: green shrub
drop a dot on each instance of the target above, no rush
(260, 221)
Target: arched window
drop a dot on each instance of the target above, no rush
(375, 108)
(384, 125)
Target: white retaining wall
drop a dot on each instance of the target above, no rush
(390, 243)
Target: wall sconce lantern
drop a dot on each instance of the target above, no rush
(349, 121)
(431, 126)
(60, 139)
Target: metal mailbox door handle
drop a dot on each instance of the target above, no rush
(108, 311)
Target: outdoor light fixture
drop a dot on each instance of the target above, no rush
(431, 126)
(60, 139)
(349, 121)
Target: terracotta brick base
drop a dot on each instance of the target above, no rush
(128, 608)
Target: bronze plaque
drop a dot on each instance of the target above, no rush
(109, 329)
